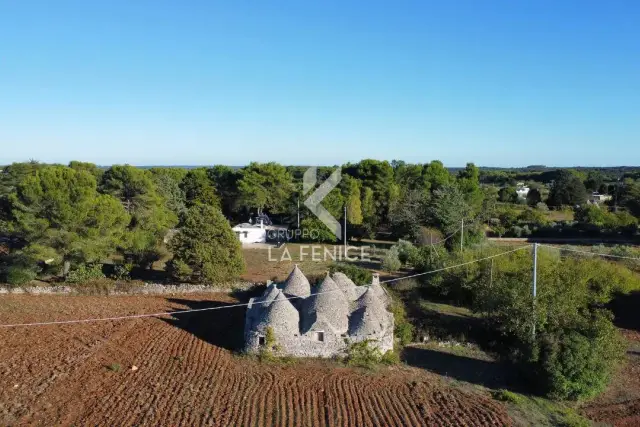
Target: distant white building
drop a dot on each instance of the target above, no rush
(251, 233)
(522, 190)
(596, 198)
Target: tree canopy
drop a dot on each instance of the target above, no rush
(206, 249)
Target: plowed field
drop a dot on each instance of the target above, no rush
(187, 373)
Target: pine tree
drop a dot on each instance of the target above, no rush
(206, 249)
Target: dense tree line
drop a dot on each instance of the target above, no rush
(57, 217)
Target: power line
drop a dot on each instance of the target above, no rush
(170, 313)
(589, 253)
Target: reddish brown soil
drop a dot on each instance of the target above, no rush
(187, 374)
(620, 404)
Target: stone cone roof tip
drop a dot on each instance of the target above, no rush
(297, 284)
(378, 289)
(269, 294)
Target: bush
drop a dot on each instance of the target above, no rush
(180, 270)
(406, 251)
(390, 358)
(403, 330)
(578, 363)
(391, 262)
(269, 352)
(120, 272)
(541, 206)
(18, 275)
(508, 396)
(85, 273)
(363, 354)
(360, 276)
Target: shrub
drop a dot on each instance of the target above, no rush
(363, 354)
(269, 352)
(85, 273)
(390, 358)
(360, 276)
(515, 231)
(391, 262)
(406, 251)
(508, 396)
(120, 272)
(18, 275)
(180, 270)
(578, 363)
(403, 330)
(115, 367)
(541, 206)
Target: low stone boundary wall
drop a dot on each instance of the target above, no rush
(145, 289)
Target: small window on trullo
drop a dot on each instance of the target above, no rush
(261, 341)
(319, 336)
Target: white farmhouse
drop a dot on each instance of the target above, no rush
(251, 233)
(522, 190)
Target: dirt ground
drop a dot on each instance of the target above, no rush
(188, 374)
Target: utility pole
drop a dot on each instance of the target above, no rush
(535, 284)
(298, 212)
(345, 230)
(462, 235)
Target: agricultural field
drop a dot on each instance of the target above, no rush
(184, 370)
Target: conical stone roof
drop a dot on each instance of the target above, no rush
(328, 301)
(280, 315)
(296, 284)
(346, 285)
(370, 316)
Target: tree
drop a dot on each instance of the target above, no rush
(534, 197)
(59, 212)
(89, 167)
(436, 175)
(198, 188)
(508, 195)
(409, 177)
(407, 215)
(469, 183)
(378, 176)
(225, 180)
(630, 196)
(568, 189)
(594, 181)
(265, 186)
(206, 249)
(169, 188)
(353, 203)
(369, 220)
(150, 216)
(447, 208)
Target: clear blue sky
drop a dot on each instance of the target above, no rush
(496, 82)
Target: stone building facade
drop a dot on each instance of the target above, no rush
(319, 321)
